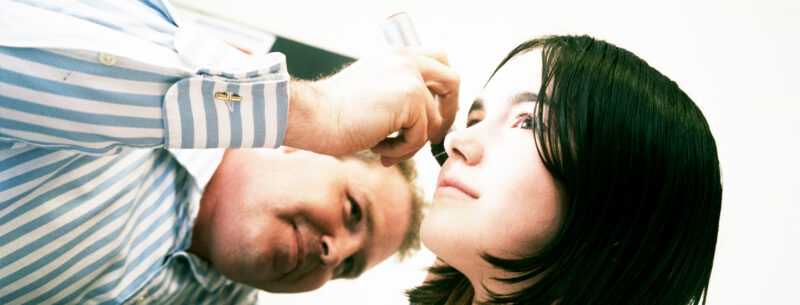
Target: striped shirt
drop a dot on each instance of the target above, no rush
(101, 105)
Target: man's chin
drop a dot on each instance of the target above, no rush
(255, 275)
(283, 287)
(260, 274)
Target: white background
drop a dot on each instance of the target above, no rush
(736, 59)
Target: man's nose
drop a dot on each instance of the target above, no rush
(336, 250)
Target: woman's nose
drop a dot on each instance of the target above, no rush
(464, 145)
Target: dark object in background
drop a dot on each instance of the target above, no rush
(308, 62)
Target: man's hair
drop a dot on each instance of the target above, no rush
(639, 168)
(411, 239)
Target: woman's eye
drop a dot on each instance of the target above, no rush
(524, 120)
(475, 117)
(472, 122)
(355, 210)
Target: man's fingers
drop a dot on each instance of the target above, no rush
(433, 53)
(444, 83)
(437, 54)
(433, 66)
(447, 106)
(415, 134)
(439, 78)
(433, 116)
(389, 161)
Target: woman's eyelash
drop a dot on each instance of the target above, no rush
(524, 120)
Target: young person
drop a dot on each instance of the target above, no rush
(584, 176)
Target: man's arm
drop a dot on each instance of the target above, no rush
(360, 106)
(96, 82)
(99, 103)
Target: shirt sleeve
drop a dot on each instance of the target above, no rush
(155, 85)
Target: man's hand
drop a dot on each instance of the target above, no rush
(403, 89)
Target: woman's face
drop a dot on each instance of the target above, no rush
(494, 195)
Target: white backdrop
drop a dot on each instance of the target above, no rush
(736, 59)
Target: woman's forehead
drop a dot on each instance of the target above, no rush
(521, 75)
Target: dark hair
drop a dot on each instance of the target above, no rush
(638, 167)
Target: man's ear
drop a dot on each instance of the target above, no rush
(288, 150)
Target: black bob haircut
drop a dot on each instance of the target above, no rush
(639, 168)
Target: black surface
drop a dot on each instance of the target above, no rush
(309, 62)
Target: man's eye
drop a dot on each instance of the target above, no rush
(344, 269)
(355, 210)
(347, 267)
(524, 120)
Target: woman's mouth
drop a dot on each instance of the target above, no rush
(451, 187)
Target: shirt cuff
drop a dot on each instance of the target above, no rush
(234, 99)
(216, 109)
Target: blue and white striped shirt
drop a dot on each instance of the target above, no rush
(93, 207)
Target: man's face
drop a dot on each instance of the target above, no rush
(288, 221)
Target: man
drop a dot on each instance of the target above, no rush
(289, 220)
(282, 220)
(94, 209)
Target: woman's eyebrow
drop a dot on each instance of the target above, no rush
(521, 97)
(477, 104)
(524, 96)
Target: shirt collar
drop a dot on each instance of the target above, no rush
(202, 271)
(200, 163)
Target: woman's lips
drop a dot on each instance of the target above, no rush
(452, 187)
